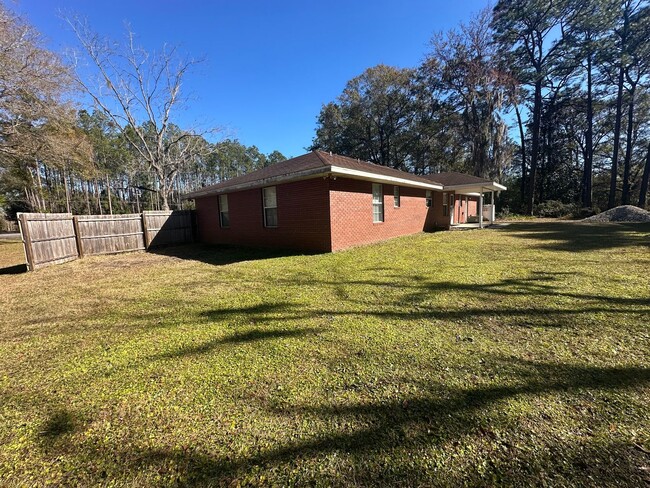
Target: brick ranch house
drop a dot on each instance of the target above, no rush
(324, 202)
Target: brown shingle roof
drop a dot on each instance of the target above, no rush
(453, 178)
(310, 164)
(356, 164)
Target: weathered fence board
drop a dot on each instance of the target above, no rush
(109, 234)
(162, 228)
(47, 238)
(57, 238)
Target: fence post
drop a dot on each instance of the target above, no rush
(27, 240)
(77, 235)
(145, 231)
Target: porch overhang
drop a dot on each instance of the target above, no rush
(474, 189)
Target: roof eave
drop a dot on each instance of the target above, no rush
(301, 175)
(314, 173)
(492, 186)
(366, 175)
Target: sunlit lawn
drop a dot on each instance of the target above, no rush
(514, 356)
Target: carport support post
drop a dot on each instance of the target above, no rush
(493, 212)
(480, 209)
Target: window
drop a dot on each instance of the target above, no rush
(377, 203)
(396, 200)
(429, 198)
(270, 207)
(224, 215)
(445, 206)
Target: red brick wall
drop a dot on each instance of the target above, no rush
(435, 217)
(351, 213)
(303, 218)
(465, 208)
(473, 206)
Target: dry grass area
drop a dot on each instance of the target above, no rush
(12, 256)
(516, 356)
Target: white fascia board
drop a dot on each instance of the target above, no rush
(302, 175)
(366, 175)
(473, 187)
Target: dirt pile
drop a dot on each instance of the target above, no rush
(624, 213)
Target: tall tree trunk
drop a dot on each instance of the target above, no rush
(522, 139)
(98, 193)
(156, 205)
(164, 196)
(537, 115)
(544, 162)
(643, 195)
(67, 191)
(137, 200)
(108, 192)
(32, 206)
(619, 110)
(179, 200)
(30, 197)
(39, 197)
(625, 197)
(617, 140)
(587, 176)
(165, 189)
(87, 191)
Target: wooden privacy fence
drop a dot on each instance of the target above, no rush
(108, 234)
(57, 238)
(161, 228)
(47, 238)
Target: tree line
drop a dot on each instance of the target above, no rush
(124, 152)
(549, 97)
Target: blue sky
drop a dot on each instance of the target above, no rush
(270, 65)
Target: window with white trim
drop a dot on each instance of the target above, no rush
(445, 206)
(429, 199)
(377, 203)
(224, 215)
(396, 199)
(270, 204)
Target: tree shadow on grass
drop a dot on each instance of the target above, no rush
(252, 312)
(410, 298)
(56, 429)
(580, 237)
(236, 338)
(539, 283)
(386, 429)
(219, 255)
(539, 316)
(60, 422)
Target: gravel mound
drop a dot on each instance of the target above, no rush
(624, 213)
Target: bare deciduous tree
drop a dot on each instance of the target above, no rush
(140, 91)
(33, 81)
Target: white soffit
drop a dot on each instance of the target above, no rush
(474, 188)
(366, 175)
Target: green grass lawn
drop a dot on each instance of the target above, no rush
(517, 356)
